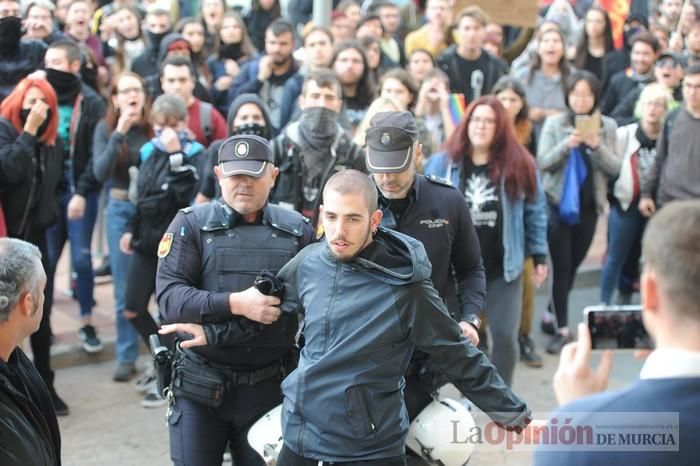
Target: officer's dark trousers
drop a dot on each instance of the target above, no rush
(289, 458)
(198, 435)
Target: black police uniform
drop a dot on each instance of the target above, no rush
(436, 215)
(433, 212)
(210, 252)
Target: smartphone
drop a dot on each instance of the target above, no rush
(588, 123)
(617, 328)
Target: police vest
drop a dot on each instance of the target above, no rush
(232, 256)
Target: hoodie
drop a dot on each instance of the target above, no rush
(147, 63)
(153, 81)
(363, 318)
(209, 186)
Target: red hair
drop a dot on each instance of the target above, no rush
(11, 107)
(508, 159)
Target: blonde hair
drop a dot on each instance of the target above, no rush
(380, 104)
(651, 92)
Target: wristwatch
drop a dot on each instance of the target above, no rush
(473, 320)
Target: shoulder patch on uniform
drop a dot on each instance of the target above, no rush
(164, 246)
(438, 180)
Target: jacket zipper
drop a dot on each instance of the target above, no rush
(298, 408)
(366, 409)
(328, 310)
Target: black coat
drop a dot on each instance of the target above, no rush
(29, 432)
(31, 180)
(92, 110)
(17, 62)
(618, 89)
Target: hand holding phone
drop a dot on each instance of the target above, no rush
(617, 328)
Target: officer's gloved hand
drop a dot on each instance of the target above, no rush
(268, 284)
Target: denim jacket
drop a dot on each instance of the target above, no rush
(524, 223)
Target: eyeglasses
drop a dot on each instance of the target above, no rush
(130, 90)
(666, 62)
(39, 18)
(477, 121)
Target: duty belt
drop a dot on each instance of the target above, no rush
(235, 376)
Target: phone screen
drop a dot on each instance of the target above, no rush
(617, 327)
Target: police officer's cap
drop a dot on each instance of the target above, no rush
(390, 140)
(244, 154)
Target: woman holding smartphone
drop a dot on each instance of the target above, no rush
(593, 152)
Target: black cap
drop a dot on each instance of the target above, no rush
(244, 154)
(390, 140)
(677, 59)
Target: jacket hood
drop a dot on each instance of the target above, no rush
(395, 258)
(243, 99)
(166, 42)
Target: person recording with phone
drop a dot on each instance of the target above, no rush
(669, 381)
(575, 169)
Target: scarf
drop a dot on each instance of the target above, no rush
(66, 85)
(230, 51)
(10, 35)
(644, 140)
(317, 130)
(252, 129)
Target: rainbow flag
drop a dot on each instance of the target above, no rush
(458, 106)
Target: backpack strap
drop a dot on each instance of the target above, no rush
(205, 110)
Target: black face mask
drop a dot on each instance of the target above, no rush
(10, 32)
(155, 39)
(89, 76)
(24, 114)
(66, 85)
(230, 51)
(252, 129)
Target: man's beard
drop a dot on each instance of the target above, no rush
(281, 62)
(365, 242)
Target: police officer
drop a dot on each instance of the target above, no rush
(209, 258)
(429, 209)
(309, 151)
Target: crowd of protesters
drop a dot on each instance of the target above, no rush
(550, 126)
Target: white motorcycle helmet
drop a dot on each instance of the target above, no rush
(432, 433)
(265, 436)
